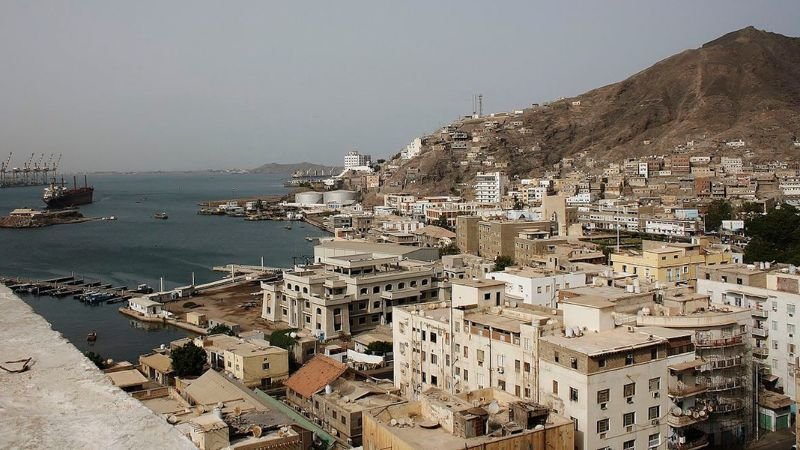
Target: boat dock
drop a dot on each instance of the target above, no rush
(88, 291)
(243, 269)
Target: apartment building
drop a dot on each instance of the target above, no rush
(489, 187)
(772, 296)
(467, 234)
(347, 294)
(496, 238)
(674, 262)
(612, 383)
(612, 216)
(476, 420)
(253, 362)
(477, 340)
(536, 286)
(355, 159)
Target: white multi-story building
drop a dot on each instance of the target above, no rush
(489, 187)
(413, 149)
(671, 226)
(354, 159)
(790, 186)
(774, 299)
(609, 215)
(535, 286)
(731, 165)
(475, 341)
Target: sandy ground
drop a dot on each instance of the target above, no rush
(234, 304)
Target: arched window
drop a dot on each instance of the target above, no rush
(319, 310)
(388, 287)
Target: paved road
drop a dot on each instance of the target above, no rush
(779, 440)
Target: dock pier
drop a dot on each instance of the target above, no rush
(92, 292)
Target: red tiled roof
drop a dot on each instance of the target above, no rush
(314, 375)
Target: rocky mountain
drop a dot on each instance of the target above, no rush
(275, 168)
(744, 85)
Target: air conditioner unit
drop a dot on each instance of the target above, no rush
(654, 422)
(603, 406)
(629, 428)
(656, 394)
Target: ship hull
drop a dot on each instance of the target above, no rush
(74, 197)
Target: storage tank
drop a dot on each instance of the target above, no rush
(341, 197)
(308, 198)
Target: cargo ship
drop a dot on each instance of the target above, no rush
(59, 196)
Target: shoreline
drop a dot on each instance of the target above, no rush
(163, 320)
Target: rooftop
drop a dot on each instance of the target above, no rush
(603, 342)
(63, 400)
(127, 378)
(477, 283)
(158, 361)
(314, 375)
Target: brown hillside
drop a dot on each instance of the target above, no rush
(743, 85)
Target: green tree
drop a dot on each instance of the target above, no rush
(718, 211)
(449, 249)
(501, 262)
(442, 222)
(98, 360)
(188, 361)
(282, 338)
(221, 329)
(379, 347)
(774, 236)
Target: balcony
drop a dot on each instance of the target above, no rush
(683, 390)
(721, 363)
(686, 443)
(726, 385)
(760, 332)
(400, 294)
(760, 352)
(759, 313)
(703, 342)
(684, 420)
(727, 406)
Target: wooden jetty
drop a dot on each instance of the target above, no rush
(70, 286)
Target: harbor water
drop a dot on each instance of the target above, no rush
(136, 248)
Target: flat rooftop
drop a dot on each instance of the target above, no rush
(610, 341)
(477, 283)
(64, 400)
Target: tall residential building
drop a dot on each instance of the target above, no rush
(489, 187)
(478, 340)
(347, 294)
(355, 159)
(536, 286)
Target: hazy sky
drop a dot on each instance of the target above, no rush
(140, 85)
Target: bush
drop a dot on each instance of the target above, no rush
(221, 329)
(188, 361)
(281, 338)
(379, 347)
(501, 262)
(98, 360)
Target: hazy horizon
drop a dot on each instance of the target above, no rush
(142, 86)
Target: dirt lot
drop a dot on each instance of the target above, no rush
(235, 304)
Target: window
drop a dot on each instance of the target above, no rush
(487, 296)
(434, 359)
(517, 365)
(629, 390)
(555, 356)
(602, 425)
(654, 384)
(376, 304)
(362, 320)
(501, 384)
(573, 394)
(628, 419)
(422, 334)
(425, 282)
(466, 375)
(790, 308)
(653, 412)
(343, 418)
(434, 379)
(654, 440)
(335, 415)
(601, 362)
(527, 342)
(774, 325)
(653, 353)
(573, 362)
(527, 367)
(790, 328)
(401, 285)
(555, 387)
(433, 337)
(466, 352)
(363, 291)
(479, 355)
(265, 365)
(413, 283)
(376, 289)
(603, 396)
(629, 445)
(629, 359)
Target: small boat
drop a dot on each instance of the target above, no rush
(288, 227)
(91, 337)
(162, 215)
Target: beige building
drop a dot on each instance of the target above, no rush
(478, 340)
(482, 420)
(467, 234)
(612, 383)
(669, 263)
(253, 362)
(347, 294)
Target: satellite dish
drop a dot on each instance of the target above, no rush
(293, 335)
(257, 431)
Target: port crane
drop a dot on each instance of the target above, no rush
(37, 170)
(26, 170)
(4, 168)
